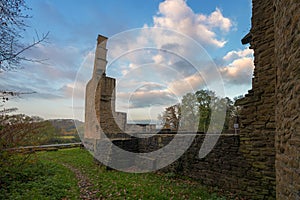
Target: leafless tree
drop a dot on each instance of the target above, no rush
(12, 25)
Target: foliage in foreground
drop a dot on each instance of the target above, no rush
(45, 177)
(20, 130)
(35, 179)
(118, 185)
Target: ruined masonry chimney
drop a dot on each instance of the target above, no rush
(93, 92)
(100, 57)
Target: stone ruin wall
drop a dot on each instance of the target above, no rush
(257, 117)
(287, 62)
(93, 93)
(106, 113)
(140, 128)
(271, 110)
(100, 102)
(225, 167)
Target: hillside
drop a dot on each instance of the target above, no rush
(66, 126)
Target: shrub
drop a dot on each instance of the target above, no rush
(20, 130)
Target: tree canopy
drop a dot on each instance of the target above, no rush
(194, 113)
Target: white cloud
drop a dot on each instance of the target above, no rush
(177, 15)
(238, 54)
(150, 94)
(169, 51)
(188, 84)
(216, 19)
(158, 58)
(173, 15)
(240, 69)
(61, 63)
(48, 80)
(68, 90)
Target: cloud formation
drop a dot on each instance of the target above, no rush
(240, 67)
(150, 94)
(47, 80)
(165, 55)
(156, 76)
(177, 15)
(231, 55)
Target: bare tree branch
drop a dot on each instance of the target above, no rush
(17, 54)
(24, 49)
(12, 25)
(6, 95)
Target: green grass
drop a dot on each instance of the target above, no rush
(118, 185)
(47, 178)
(37, 179)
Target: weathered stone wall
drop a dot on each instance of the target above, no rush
(100, 115)
(287, 61)
(140, 128)
(271, 110)
(92, 103)
(257, 117)
(106, 111)
(225, 167)
(121, 120)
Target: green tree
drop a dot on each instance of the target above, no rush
(171, 117)
(205, 99)
(189, 112)
(195, 113)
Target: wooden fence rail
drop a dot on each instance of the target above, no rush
(48, 147)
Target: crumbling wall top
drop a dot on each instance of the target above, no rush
(101, 39)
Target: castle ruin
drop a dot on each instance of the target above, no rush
(263, 161)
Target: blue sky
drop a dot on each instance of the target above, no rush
(216, 25)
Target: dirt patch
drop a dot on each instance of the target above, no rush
(87, 190)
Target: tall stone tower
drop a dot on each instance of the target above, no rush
(100, 96)
(92, 129)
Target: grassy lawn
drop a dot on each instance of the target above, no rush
(37, 179)
(48, 178)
